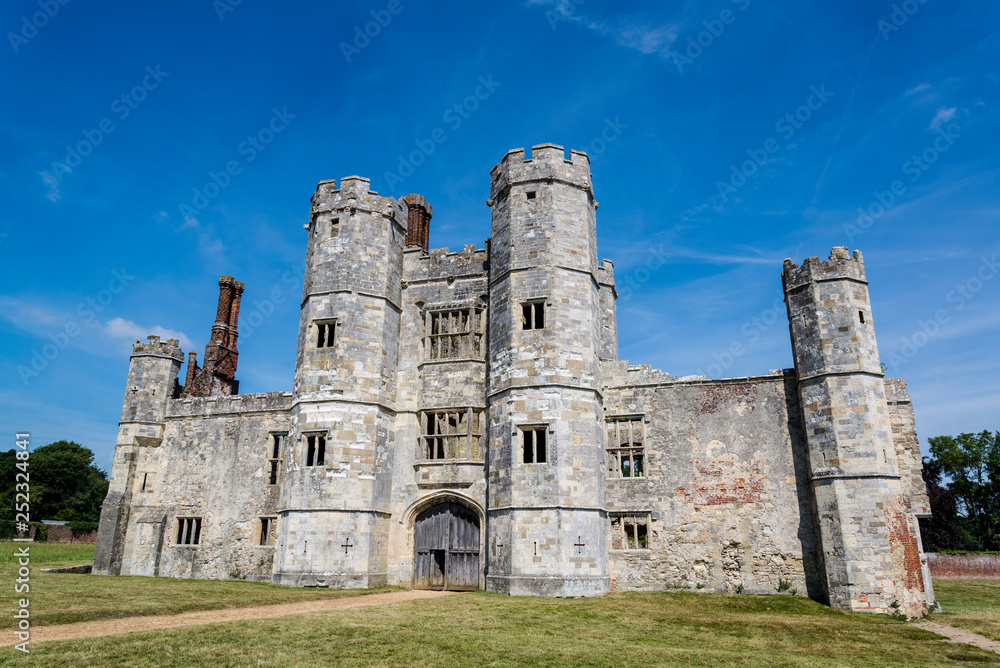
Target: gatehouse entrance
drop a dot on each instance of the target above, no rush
(446, 542)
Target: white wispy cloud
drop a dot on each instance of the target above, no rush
(79, 327)
(943, 116)
(53, 184)
(208, 243)
(122, 330)
(918, 89)
(647, 39)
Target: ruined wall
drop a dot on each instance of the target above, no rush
(609, 311)
(904, 433)
(213, 464)
(725, 486)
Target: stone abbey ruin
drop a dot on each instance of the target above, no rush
(461, 420)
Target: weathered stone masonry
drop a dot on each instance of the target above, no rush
(461, 420)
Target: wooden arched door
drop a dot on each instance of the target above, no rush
(446, 543)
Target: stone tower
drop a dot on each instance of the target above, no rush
(334, 516)
(152, 380)
(545, 499)
(869, 536)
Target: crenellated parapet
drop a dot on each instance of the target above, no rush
(154, 347)
(830, 313)
(443, 264)
(548, 163)
(606, 275)
(841, 265)
(355, 196)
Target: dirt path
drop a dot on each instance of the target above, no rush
(958, 635)
(110, 627)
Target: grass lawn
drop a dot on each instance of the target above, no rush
(973, 605)
(61, 598)
(632, 629)
(478, 629)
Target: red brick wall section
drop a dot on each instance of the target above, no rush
(60, 533)
(900, 536)
(964, 566)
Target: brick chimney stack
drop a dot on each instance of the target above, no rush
(218, 377)
(418, 222)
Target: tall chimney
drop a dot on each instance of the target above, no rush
(218, 376)
(418, 222)
(234, 314)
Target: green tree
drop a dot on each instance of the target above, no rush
(64, 483)
(943, 529)
(972, 462)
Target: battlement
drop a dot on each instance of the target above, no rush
(237, 404)
(155, 347)
(619, 374)
(841, 265)
(606, 273)
(548, 162)
(355, 195)
(896, 391)
(443, 264)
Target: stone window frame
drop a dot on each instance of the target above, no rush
(270, 523)
(277, 444)
(320, 224)
(464, 339)
(188, 530)
(620, 540)
(615, 449)
(320, 460)
(323, 333)
(534, 428)
(449, 445)
(530, 307)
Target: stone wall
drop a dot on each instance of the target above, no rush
(212, 464)
(904, 433)
(726, 488)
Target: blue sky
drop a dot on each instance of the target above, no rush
(146, 150)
